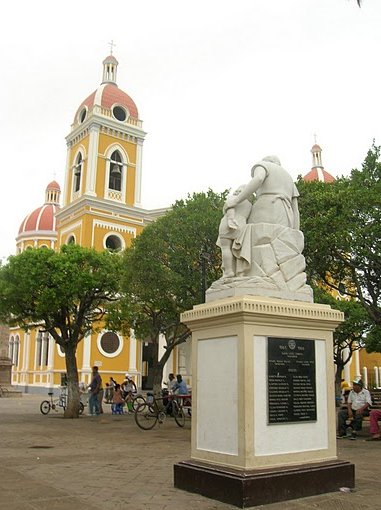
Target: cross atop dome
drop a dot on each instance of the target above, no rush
(112, 44)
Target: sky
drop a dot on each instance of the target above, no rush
(218, 84)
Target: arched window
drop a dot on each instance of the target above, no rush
(116, 170)
(16, 351)
(78, 173)
(39, 349)
(11, 348)
(46, 349)
(113, 242)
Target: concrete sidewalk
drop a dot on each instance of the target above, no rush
(108, 463)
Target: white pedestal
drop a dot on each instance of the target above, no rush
(230, 415)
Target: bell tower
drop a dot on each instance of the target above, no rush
(102, 189)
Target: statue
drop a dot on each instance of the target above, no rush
(261, 243)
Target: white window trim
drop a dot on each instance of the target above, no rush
(123, 108)
(81, 151)
(110, 150)
(60, 354)
(108, 354)
(116, 234)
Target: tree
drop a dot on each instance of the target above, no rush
(163, 274)
(66, 293)
(341, 222)
(350, 335)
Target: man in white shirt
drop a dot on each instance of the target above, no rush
(359, 401)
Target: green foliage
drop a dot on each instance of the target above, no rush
(352, 332)
(63, 291)
(341, 222)
(162, 269)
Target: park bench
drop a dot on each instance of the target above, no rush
(376, 398)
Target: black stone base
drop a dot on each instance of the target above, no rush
(262, 486)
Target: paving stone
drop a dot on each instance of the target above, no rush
(108, 463)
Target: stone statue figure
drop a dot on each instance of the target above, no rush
(261, 243)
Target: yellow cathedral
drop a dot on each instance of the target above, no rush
(101, 208)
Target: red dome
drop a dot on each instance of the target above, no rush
(54, 186)
(108, 95)
(41, 219)
(318, 174)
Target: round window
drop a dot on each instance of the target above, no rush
(119, 113)
(82, 115)
(110, 342)
(113, 243)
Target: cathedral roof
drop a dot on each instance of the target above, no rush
(43, 218)
(53, 186)
(318, 174)
(108, 96)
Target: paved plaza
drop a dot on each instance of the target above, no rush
(108, 463)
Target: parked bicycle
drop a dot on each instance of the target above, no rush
(148, 414)
(3, 391)
(56, 403)
(137, 400)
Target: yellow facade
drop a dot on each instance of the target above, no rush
(101, 209)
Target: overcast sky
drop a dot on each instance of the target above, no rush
(218, 84)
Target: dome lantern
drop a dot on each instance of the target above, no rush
(110, 65)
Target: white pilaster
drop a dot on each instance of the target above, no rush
(132, 367)
(357, 364)
(138, 173)
(50, 366)
(365, 376)
(92, 161)
(86, 352)
(376, 378)
(347, 368)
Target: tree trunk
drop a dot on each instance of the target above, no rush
(158, 367)
(339, 371)
(72, 409)
(157, 371)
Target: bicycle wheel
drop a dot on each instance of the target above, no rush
(145, 416)
(45, 407)
(137, 401)
(178, 414)
(81, 408)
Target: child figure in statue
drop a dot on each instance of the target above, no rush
(231, 226)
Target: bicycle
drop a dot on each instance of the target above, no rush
(55, 404)
(3, 391)
(137, 400)
(148, 414)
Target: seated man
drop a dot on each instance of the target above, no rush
(375, 416)
(180, 386)
(359, 401)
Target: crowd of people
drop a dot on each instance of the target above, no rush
(121, 396)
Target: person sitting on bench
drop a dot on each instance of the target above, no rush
(359, 401)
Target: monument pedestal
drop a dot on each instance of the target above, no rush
(263, 419)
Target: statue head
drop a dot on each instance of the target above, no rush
(272, 159)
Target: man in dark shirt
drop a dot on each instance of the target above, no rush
(95, 386)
